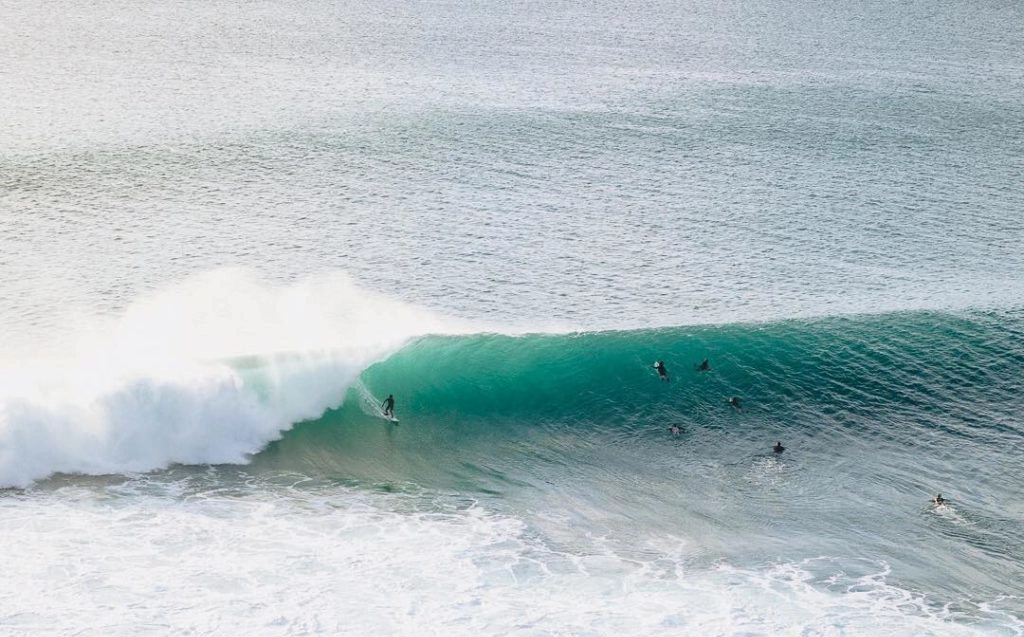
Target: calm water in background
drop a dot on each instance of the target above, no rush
(218, 220)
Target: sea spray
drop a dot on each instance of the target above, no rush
(207, 371)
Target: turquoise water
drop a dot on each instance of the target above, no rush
(228, 230)
(877, 414)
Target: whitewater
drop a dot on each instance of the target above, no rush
(167, 382)
(229, 230)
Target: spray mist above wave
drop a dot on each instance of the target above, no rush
(157, 386)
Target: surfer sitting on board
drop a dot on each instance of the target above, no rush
(662, 372)
(778, 448)
(389, 406)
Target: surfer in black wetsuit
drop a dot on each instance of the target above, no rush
(778, 448)
(704, 367)
(735, 402)
(389, 406)
(938, 499)
(662, 372)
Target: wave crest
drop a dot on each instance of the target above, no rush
(207, 371)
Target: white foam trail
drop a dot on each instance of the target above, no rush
(164, 383)
(307, 560)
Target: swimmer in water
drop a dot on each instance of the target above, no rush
(662, 372)
(778, 448)
(938, 499)
(704, 367)
(735, 402)
(675, 430)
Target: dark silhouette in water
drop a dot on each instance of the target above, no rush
(938, 499)
(662, 372)
(735, 402)
(704, 367)
(389, 406)
(778, 448)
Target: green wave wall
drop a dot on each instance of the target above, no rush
(894, 377)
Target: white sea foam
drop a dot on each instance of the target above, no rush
(207, 371)
(168, 557)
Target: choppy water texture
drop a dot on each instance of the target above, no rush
(228, 230)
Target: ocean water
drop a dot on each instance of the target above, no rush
(229, 229)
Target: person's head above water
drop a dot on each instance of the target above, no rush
(778, 448)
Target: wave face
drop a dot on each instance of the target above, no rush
(895, 378)
(902, 374)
